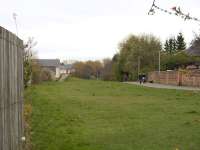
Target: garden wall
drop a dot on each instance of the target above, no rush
(180, 78)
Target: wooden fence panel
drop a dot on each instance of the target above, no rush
(11, 91)
(181, 78)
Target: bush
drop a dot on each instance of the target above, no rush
(178, 60)
(46, 75)
(40, 74)
(36, 71)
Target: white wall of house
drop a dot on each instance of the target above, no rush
(57, 72)
(63, 71)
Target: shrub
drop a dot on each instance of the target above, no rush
(40, 74)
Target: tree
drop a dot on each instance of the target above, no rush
(166, 46)
(28, 56)
(108, 71)
(96, 68)
(144, 47)
(88, 69)
(179, 60)
(172, 46)
(180, 42)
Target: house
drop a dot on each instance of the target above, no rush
(55, 67)
(66, 69)
(52, 65)
(194, 49)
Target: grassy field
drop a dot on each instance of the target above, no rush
(97, 115)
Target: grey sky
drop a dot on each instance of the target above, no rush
(92, 29)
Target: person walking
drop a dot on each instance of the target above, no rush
(140, 78)
(143, 79)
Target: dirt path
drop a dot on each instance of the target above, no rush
(162, 86)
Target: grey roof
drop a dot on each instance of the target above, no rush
(48, 62)
(194, 49)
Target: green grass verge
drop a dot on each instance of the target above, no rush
(97, 115)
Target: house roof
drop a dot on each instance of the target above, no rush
(194, 49)
(48, 62)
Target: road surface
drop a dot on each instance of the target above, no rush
(162, 86)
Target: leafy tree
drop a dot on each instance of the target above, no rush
(166, 46)
(179, 60)
(35, 73)
(28, 56)
(96, 68)
(142, 49)
(108, 71)
(88, 69)
(180, 42)
(78, 66)
(171, 46)
(40, 74)
(116, 68)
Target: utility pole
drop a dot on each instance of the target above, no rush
(15, 19)
(138, 66)
(159, 61)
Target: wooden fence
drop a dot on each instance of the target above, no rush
(11, 91)
(180, 78)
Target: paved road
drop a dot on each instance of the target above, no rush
(162, 86)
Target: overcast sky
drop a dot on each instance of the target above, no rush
(92, 29)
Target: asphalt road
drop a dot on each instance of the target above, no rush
(162, 86)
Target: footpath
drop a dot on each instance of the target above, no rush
(162, 86)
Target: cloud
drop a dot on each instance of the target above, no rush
(91, 28)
